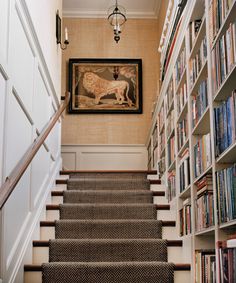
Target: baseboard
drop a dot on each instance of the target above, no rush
(104, 157)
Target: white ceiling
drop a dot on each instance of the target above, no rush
(98, 8)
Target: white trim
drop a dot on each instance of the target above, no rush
(103, 15)
(35, 222)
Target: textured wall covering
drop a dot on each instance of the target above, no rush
(93, 38)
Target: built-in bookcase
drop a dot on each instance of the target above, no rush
(196, 132)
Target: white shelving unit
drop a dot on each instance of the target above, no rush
(169, 104)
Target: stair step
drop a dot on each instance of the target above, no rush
(38, 267)
(170, 243)
(149, 172)
(52, 223)
(158, 206)
(154, 193)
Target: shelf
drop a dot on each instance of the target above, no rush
(230, 18)
(162, 128)
(202, 74)
(170, 108)
(198, 40)
(185, 145)
(206, 231)
(172, 166)
(203, 174)
(171, 134)
(228, 156)
(227, 86)
(181, 81)
(186, 193)
(228, 224)
(183, 111)
(202, 126)
(163, 152)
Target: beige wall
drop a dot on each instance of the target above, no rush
(93, 38)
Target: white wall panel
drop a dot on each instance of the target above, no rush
(16, 212)
(19, 133)
(41, 102)
(2, 111)
(4, 12)
(54, 141)
(104, 157)
(21, 60)
(39, 174)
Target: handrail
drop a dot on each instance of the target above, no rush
(11, 181)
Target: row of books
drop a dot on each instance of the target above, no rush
(223, 57)
(184, 171)
(154, 137)
(218, 11)
(227, 260)
(185, 223)
(181, 98)
(180, 66)
(202, 154)
(196, 63)
(171, 185)
(205, 266)
(193, 28)
(171, 150)
(170, 123)
(204, 213)
(182, 131)
(170, 94)
(162, 141)
(199, 103)
(226, 193)
(224, 122)
(161, 166)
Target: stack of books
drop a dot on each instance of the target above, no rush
(227, 260)
(205, 266)
(182, 97)
(184, 171)
(196, 63)
(180, 66)
(223, 57)
(171, 193)
(182, 131)
(204, 203)
(185, 224)
(202, 155)
(194, 27)
(225, 121)
(226, 193)
(218, 11)
(199, 103)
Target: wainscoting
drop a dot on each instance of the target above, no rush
(104, 157)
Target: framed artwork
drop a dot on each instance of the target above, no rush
(105, 86)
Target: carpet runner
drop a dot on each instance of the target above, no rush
(108, 233)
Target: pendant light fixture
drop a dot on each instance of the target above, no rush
(117, 19)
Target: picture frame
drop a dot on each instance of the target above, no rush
(112, 86)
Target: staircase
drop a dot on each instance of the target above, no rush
(108, 227)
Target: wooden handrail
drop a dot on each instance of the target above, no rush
(11, 181)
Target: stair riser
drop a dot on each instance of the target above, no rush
(156, 200)
(36, 277)
(166, 215)
(41, 254)
(47, 233)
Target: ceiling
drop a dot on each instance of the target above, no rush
(98, 8)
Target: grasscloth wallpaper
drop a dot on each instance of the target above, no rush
(93, 38)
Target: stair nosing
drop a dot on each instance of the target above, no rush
(38, 267)
(170, 243)
(148, 172)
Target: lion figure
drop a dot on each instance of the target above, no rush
(100, 87)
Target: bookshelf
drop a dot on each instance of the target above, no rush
(196, 130)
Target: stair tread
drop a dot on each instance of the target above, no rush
(158, 206)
